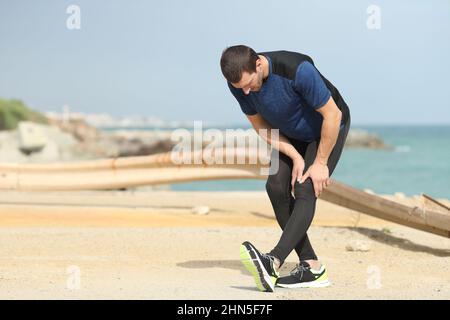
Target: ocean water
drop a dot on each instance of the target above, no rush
(419, 163)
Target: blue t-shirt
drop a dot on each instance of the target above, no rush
(288, 101)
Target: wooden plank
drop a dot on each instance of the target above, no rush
(411, 216)
(432, 203)
(160, 169)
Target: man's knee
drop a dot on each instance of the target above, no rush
(304, 190)
(275, 187)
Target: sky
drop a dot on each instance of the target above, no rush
(161, 58)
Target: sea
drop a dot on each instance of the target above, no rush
(418, 163)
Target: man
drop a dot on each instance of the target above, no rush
(284, 90)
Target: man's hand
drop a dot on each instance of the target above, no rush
(318, 171)
(297, 170)
(319, 175)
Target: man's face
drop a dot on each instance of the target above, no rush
(251, 81)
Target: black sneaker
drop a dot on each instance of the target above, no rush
(302, 276)
(260, 266)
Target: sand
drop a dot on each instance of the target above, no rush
(150, 245)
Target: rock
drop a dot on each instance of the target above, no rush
(200, 210)
(31, 137)
(358, 245)
(140, 147)
(79, 128)
(369, 191)
(58, 146)
(71, 139)
(358, 138)
(400, 195)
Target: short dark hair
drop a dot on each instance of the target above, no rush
(237, 59)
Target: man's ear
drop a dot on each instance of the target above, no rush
(258, 62)
(259, 68)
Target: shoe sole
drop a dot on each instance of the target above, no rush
(254, 265)
(313, 284)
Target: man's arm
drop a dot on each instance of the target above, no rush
(318, 171)
(311, 87)
(282, 144)
(332, 117)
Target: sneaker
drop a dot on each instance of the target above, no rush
(260, 266)
(304, 277)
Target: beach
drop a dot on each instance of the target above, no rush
(162, 245)
(131, 171)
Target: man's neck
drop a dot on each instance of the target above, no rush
(265, 66)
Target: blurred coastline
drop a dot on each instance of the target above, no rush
(405, 160)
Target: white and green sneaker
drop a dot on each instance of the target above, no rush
(260, 267)
(302, 276)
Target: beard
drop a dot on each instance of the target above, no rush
(259, 81)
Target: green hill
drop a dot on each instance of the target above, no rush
(14, 111)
